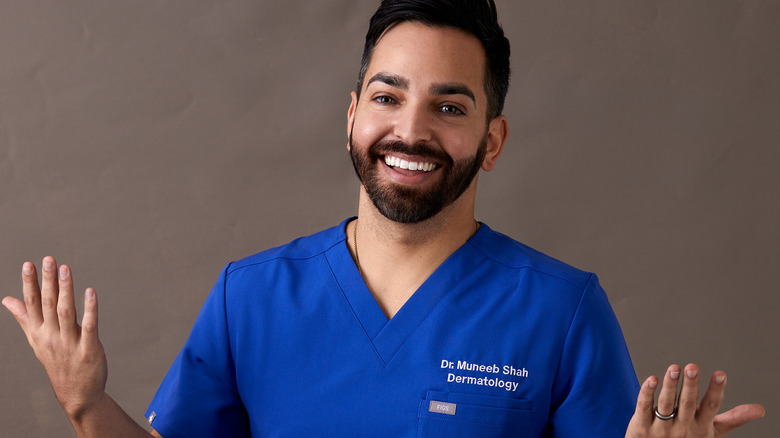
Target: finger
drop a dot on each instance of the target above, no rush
(66, 305)
(689, 394)
(49, 292)
(18, 310)
(668, 394)
(710, 403)
(643, 415)
(739, 416)
(89, 324)
(32, 294)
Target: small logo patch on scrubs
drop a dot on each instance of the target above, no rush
(442, 407)
(152, 416)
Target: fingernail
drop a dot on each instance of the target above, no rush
(48, 265)
(720, 379)
(652, 384)
(674, 374)
(27, 269)
(63, 272)
(691, 373)
(90, 294)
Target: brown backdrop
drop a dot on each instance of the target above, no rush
(147, 143)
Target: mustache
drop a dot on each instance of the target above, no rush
(423, 150)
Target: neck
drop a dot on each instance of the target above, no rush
(442, 234)
(395, 259)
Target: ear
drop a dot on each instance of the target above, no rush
(498, 131)
(351, 116)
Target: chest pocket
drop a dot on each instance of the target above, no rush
(449, 414)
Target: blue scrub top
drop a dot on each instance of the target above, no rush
(500, 341)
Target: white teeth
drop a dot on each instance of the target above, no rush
(411, 165)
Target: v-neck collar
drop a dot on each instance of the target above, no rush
(387, 336)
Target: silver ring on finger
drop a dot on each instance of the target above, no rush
(665, 417)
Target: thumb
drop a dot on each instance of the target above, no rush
(18, 310)
(734, 418)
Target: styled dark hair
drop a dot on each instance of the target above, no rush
(475, 17)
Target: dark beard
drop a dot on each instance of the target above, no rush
(410, 205)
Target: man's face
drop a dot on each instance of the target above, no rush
(418, 134)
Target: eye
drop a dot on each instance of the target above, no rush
(384, 100)
(451, 110)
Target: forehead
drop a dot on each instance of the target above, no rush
(425, 55)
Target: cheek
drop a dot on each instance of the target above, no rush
(369, 128)
(463, 142)
(459, 147)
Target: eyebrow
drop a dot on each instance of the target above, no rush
(448, 88)
(390, 79)
(441, 89)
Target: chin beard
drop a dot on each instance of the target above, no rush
(410, 205)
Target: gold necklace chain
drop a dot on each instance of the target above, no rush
(354, 239)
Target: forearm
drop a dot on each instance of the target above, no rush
(106, 419)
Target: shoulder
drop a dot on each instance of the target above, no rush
(300, 249)
(516, 256)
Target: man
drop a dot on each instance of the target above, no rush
(412, 319)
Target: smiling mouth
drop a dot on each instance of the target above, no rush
(393, 161)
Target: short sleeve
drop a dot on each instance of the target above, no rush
(198, 396)
(596, 386)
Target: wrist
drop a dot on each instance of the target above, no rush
(80, 412)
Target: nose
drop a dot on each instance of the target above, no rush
(414, 124)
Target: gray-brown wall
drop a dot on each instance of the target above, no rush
(147, 143)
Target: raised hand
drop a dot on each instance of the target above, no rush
(690, 418)
(71, 354)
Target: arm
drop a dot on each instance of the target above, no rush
(690, 418)
(595, 384)
(72, 355)
(200, 394)
(108, 419)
